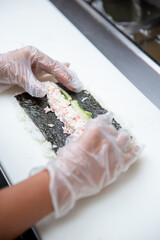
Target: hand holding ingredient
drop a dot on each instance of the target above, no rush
(89, 163)
(26, 65)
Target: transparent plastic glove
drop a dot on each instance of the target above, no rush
(89, 163)
(23, 67)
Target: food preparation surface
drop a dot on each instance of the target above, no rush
(49, 125)
(127, 209)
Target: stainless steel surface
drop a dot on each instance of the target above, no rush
(121, 37)
(138, 20)
(128, 58)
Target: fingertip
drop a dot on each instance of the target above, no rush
(106, 118)
(74, 84)
(109, 117)
(38, 90)
(77, 87)
(67, 64)
(137, 149)
(67, 77)
(132, 155)
(42, 91)
(40, 94)
(123, 139)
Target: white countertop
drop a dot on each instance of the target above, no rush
(129, 208)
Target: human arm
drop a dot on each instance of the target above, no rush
(23, 204)
(89, 163)
(27, 66)
(82, 168)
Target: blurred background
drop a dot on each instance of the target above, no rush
(139, 20)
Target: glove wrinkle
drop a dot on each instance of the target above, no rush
(27, 66)
(89, 163)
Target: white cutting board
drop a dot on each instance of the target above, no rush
(129, 208)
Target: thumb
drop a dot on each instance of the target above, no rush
(34, 87)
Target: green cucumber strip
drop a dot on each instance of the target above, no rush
(83, 114)
(75, 105)
(67, 96)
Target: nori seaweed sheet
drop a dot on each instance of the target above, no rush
(34, 107)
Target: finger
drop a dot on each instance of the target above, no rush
(63, 74)
(34, 87)
(67, 77)
(43, 76)
(101, 120)
(90, 138)
(105, 118)
(67, 64)
(131, 156)
(123, 139)
(105, 122)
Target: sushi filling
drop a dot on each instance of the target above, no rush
(73, 122)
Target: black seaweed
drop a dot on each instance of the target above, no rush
(34, 107)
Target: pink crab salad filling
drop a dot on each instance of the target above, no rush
(73, 123)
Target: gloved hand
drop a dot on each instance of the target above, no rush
(22, 66)
(89, 163)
